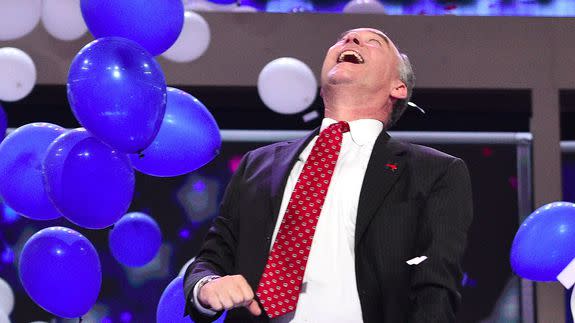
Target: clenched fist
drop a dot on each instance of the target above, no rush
(229, 292)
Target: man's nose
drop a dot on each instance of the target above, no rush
(354, 37)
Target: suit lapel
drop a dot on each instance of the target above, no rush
(285, 157)
(385, 166)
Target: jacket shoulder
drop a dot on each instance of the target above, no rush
(263, 153)
(428, 153)
(270, 148)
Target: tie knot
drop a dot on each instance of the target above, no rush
(343, 126)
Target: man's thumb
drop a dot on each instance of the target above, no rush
(254, 308)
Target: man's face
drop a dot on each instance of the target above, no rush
(363, 56)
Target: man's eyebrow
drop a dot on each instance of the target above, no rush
(382, 36)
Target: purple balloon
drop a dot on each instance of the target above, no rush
(543, 245)
(153, 24)
(89, 182)
(188, 139)
(60, 270)
(21, 184)
(118, 92)
(135, 239)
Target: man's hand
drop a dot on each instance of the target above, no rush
(229, 292)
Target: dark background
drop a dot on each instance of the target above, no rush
(241, 108)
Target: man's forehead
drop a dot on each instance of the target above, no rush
(371, 30)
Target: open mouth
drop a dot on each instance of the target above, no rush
(350, 56)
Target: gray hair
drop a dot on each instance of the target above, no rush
(407, 76)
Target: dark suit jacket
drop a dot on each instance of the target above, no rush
(415, 201)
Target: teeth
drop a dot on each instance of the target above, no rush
(352, 53)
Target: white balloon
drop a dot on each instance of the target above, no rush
(63, 19)
(364, 6)
(6, 297)
(18, 17)
(199, 5)
(244, 9)
(287, 85)
(193, 40)
(184, 267)
(17, 74)
(4, 317)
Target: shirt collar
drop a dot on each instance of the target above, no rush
(362, 131)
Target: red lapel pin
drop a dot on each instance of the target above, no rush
(391, 166)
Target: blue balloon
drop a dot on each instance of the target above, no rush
(89, 182)
(153, 24)
(60, 270)
(188, 139)
(172, 304)
(21, 155)
(118, 92)
(3, 123)
(135, 239)
(543, 245)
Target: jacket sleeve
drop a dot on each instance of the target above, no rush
(217, 254)
(442, 237)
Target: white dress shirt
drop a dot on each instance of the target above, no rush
(329, 291)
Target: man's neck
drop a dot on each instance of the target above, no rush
(349, 106)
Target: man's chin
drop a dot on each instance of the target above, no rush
(342, 76)
(342, 81)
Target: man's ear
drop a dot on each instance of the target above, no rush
(399, 91)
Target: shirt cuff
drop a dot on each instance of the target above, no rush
(196, 291)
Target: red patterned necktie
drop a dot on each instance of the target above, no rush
(280, 285)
